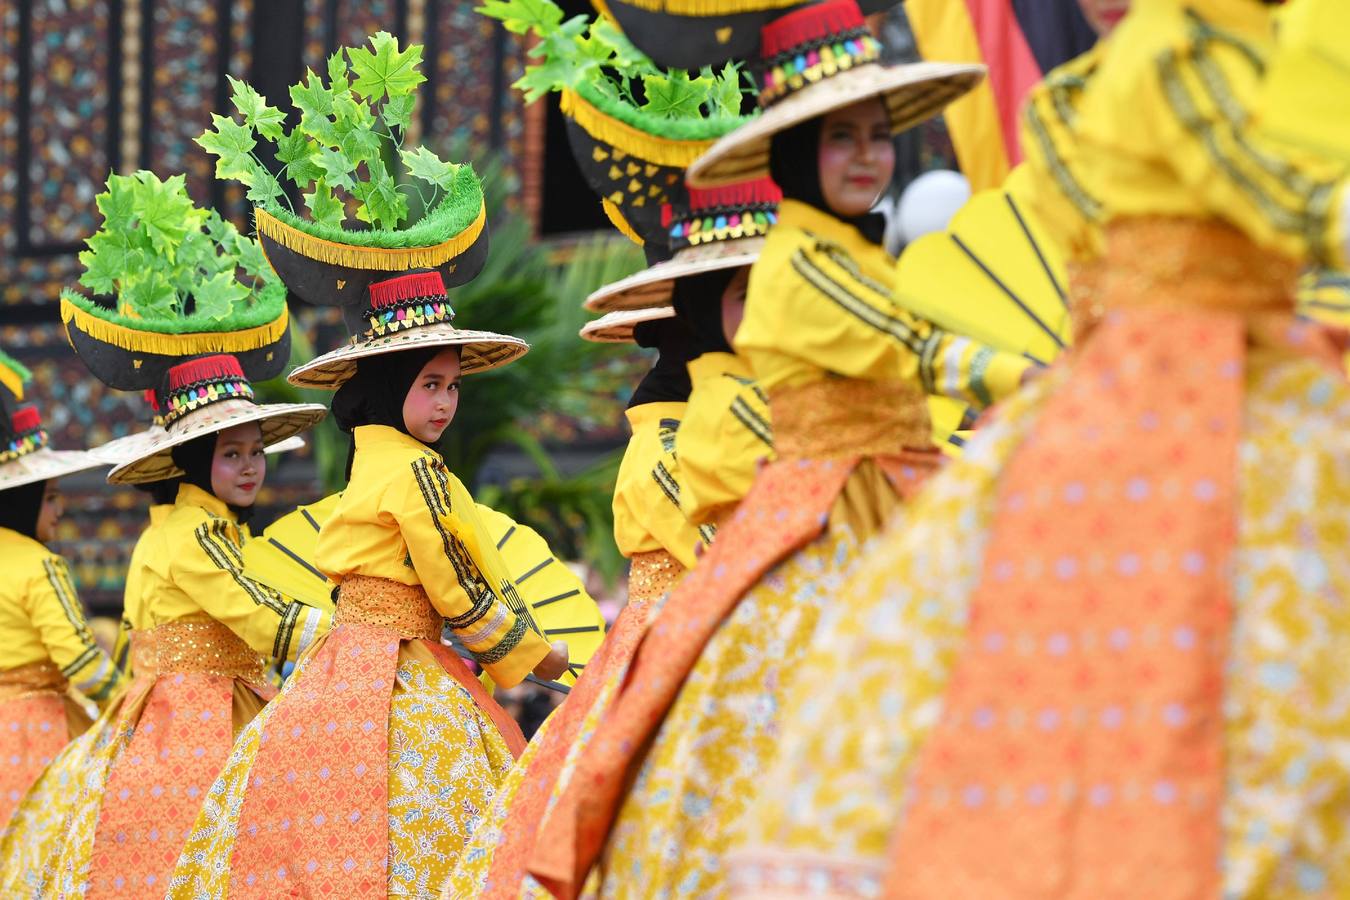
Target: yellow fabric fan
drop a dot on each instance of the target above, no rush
(554, 600)
(1305, 94)
(994, 276)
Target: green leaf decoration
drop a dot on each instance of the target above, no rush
(166, 259)
(424, 164)
(264, 119)
(386, 72)
(216, 297)
(523, 16)
(397, 112)
(724, 99)
(348, 144)
(676, 95)
(323, 206)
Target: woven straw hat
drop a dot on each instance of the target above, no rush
(617, 327)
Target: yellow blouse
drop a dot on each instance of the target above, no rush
(824, 300)
(1188, 73)
(134, 601)
(725, 433)
(192, 563)
(404, 516)
(41, 619)
(1050, 179)
(647, 515)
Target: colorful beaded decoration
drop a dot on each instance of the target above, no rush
(408, 301)
(811, 44)
(725, 213)
(202, 381)
(26, 434)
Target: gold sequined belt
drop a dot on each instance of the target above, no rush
(651, 575)
(203, 645)
(403, 608)
(848, 417)
(1191, 263)
(33, 678)
(144, 659)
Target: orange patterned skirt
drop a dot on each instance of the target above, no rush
(37, 719)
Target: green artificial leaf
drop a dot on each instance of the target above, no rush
(323, 207)
(386, 72)
(249, 256)
(258, 115)
(627, 58)
(165, 211)
(382, 204)
(337, 168)
(675, 95)
(232, 143)
(103, 262)
(311, 97)
(355, 127)
(520, 16)
(263, 186)
(196, 253)
(217, 296)
(544, 77)
(724, 98)
(337, 73)
(422, 163)
(116, 204)
(151, 296)
(298, 152)
(397, 111)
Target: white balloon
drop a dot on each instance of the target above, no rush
(928, 202)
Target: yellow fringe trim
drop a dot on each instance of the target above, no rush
(12, 382)
(616, 218)
(383, 259)
(189, 344)
(606, 128)
(708, 8)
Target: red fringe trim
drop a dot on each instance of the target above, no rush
(808, 24)
(414, 286)
(26, 418)
(756, 192)
(219, 366)
(152, 397)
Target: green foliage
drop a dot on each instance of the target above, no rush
(169, 261)
(347, 145)
(595, 59)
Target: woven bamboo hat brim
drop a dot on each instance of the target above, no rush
(617, 327)
(655, 285)
(153, 449)
(132, 446)
(912, 93)
(479, 352)
(45, 464)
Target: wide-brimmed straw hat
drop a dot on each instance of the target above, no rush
(818, 59)
(617, 327)
(201, 396)
(717, 229)
(25, 456)
(407, 312)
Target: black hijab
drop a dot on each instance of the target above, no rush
(698, 301)
(668, 380)
(794, 164)
(195, 458)
(375, 394)
(20, 507)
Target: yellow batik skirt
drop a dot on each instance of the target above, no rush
(878, 674)
(707, 761)
(444, 760)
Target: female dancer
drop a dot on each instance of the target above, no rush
(659, 790)
(382, 753)
(1125, 679)
(48, 646)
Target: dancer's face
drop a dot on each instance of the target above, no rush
(49, 516)
(1104, 15)
(733, 303)
(857, 157)
(239, 465)
(433, 398)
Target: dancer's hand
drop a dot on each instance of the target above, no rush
(552, 667)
